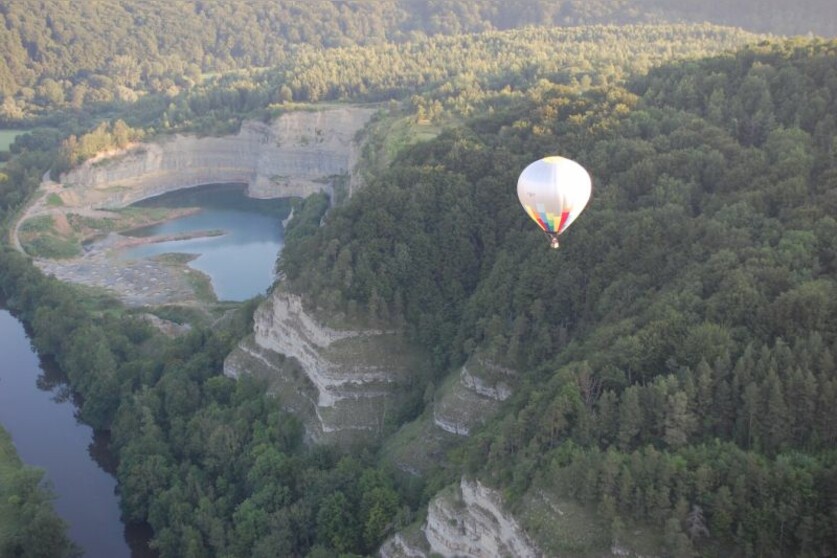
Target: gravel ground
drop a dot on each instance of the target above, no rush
(142, 282)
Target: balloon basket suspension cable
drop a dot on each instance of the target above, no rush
(553, 240)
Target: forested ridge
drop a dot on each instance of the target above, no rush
(447, 74)
(674, 359)
(212, 464)
(677, 354)
(438, 78)
(55, 53)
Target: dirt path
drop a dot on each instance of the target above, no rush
(39, 207)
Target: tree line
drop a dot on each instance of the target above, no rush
(442, 74)
(30, 527)
(212, 464)
(58, 55)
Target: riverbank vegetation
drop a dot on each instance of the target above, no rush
(212, 464)
(29, 527)
(675, 359)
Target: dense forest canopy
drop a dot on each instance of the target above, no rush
(674, 360)
(440, 78)
(59, 53)
(680, 347)
(451, 73)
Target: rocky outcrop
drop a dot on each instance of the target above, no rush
(471, 522)
(296, 155)
(473, 398)
(466, 521)
(343, 383)
(399, 546)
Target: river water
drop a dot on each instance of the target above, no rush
(240, 262)
(35, 404)
(36, 409)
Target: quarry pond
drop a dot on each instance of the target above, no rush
(234, 239)
(39, 414)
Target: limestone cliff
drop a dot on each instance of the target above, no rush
(466, 400)
(471, 520)
(473, 398)
(342, 383)
(296, 155)
(465, 521)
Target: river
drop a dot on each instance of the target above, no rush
(35, 403)
(38, 412)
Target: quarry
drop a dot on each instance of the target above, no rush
(296, 155)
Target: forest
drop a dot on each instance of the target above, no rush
(674, 359)
(55, 54)
(699, 385)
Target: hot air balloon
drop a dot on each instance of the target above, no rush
(554, 191)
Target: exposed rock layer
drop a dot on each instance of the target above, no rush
(473, 398)
(343, 383)
(296, 155)
(466, 521)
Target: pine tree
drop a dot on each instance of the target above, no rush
(775, 422)
(630, 418)
(679, 421)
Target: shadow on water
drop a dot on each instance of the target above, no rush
(137, 535)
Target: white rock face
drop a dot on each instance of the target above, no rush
(398, 546)
(472, 399)
(466, 521)
(475, 525)
(351, 379)
(282, 326)
(296, 155)
(300, 153)
(498, 392)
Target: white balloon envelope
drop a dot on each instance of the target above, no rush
(554, 191)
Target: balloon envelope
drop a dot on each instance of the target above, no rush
(554, 191)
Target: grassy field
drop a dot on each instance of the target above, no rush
(389, 135)
(564, 527)
(7, 136)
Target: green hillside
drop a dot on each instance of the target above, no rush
(58, 54)
(679, 347)
(673, 362)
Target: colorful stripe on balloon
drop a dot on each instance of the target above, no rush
(564, 215)
(536, 218)
(546, 220)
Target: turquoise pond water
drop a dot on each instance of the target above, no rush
(241, 261)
